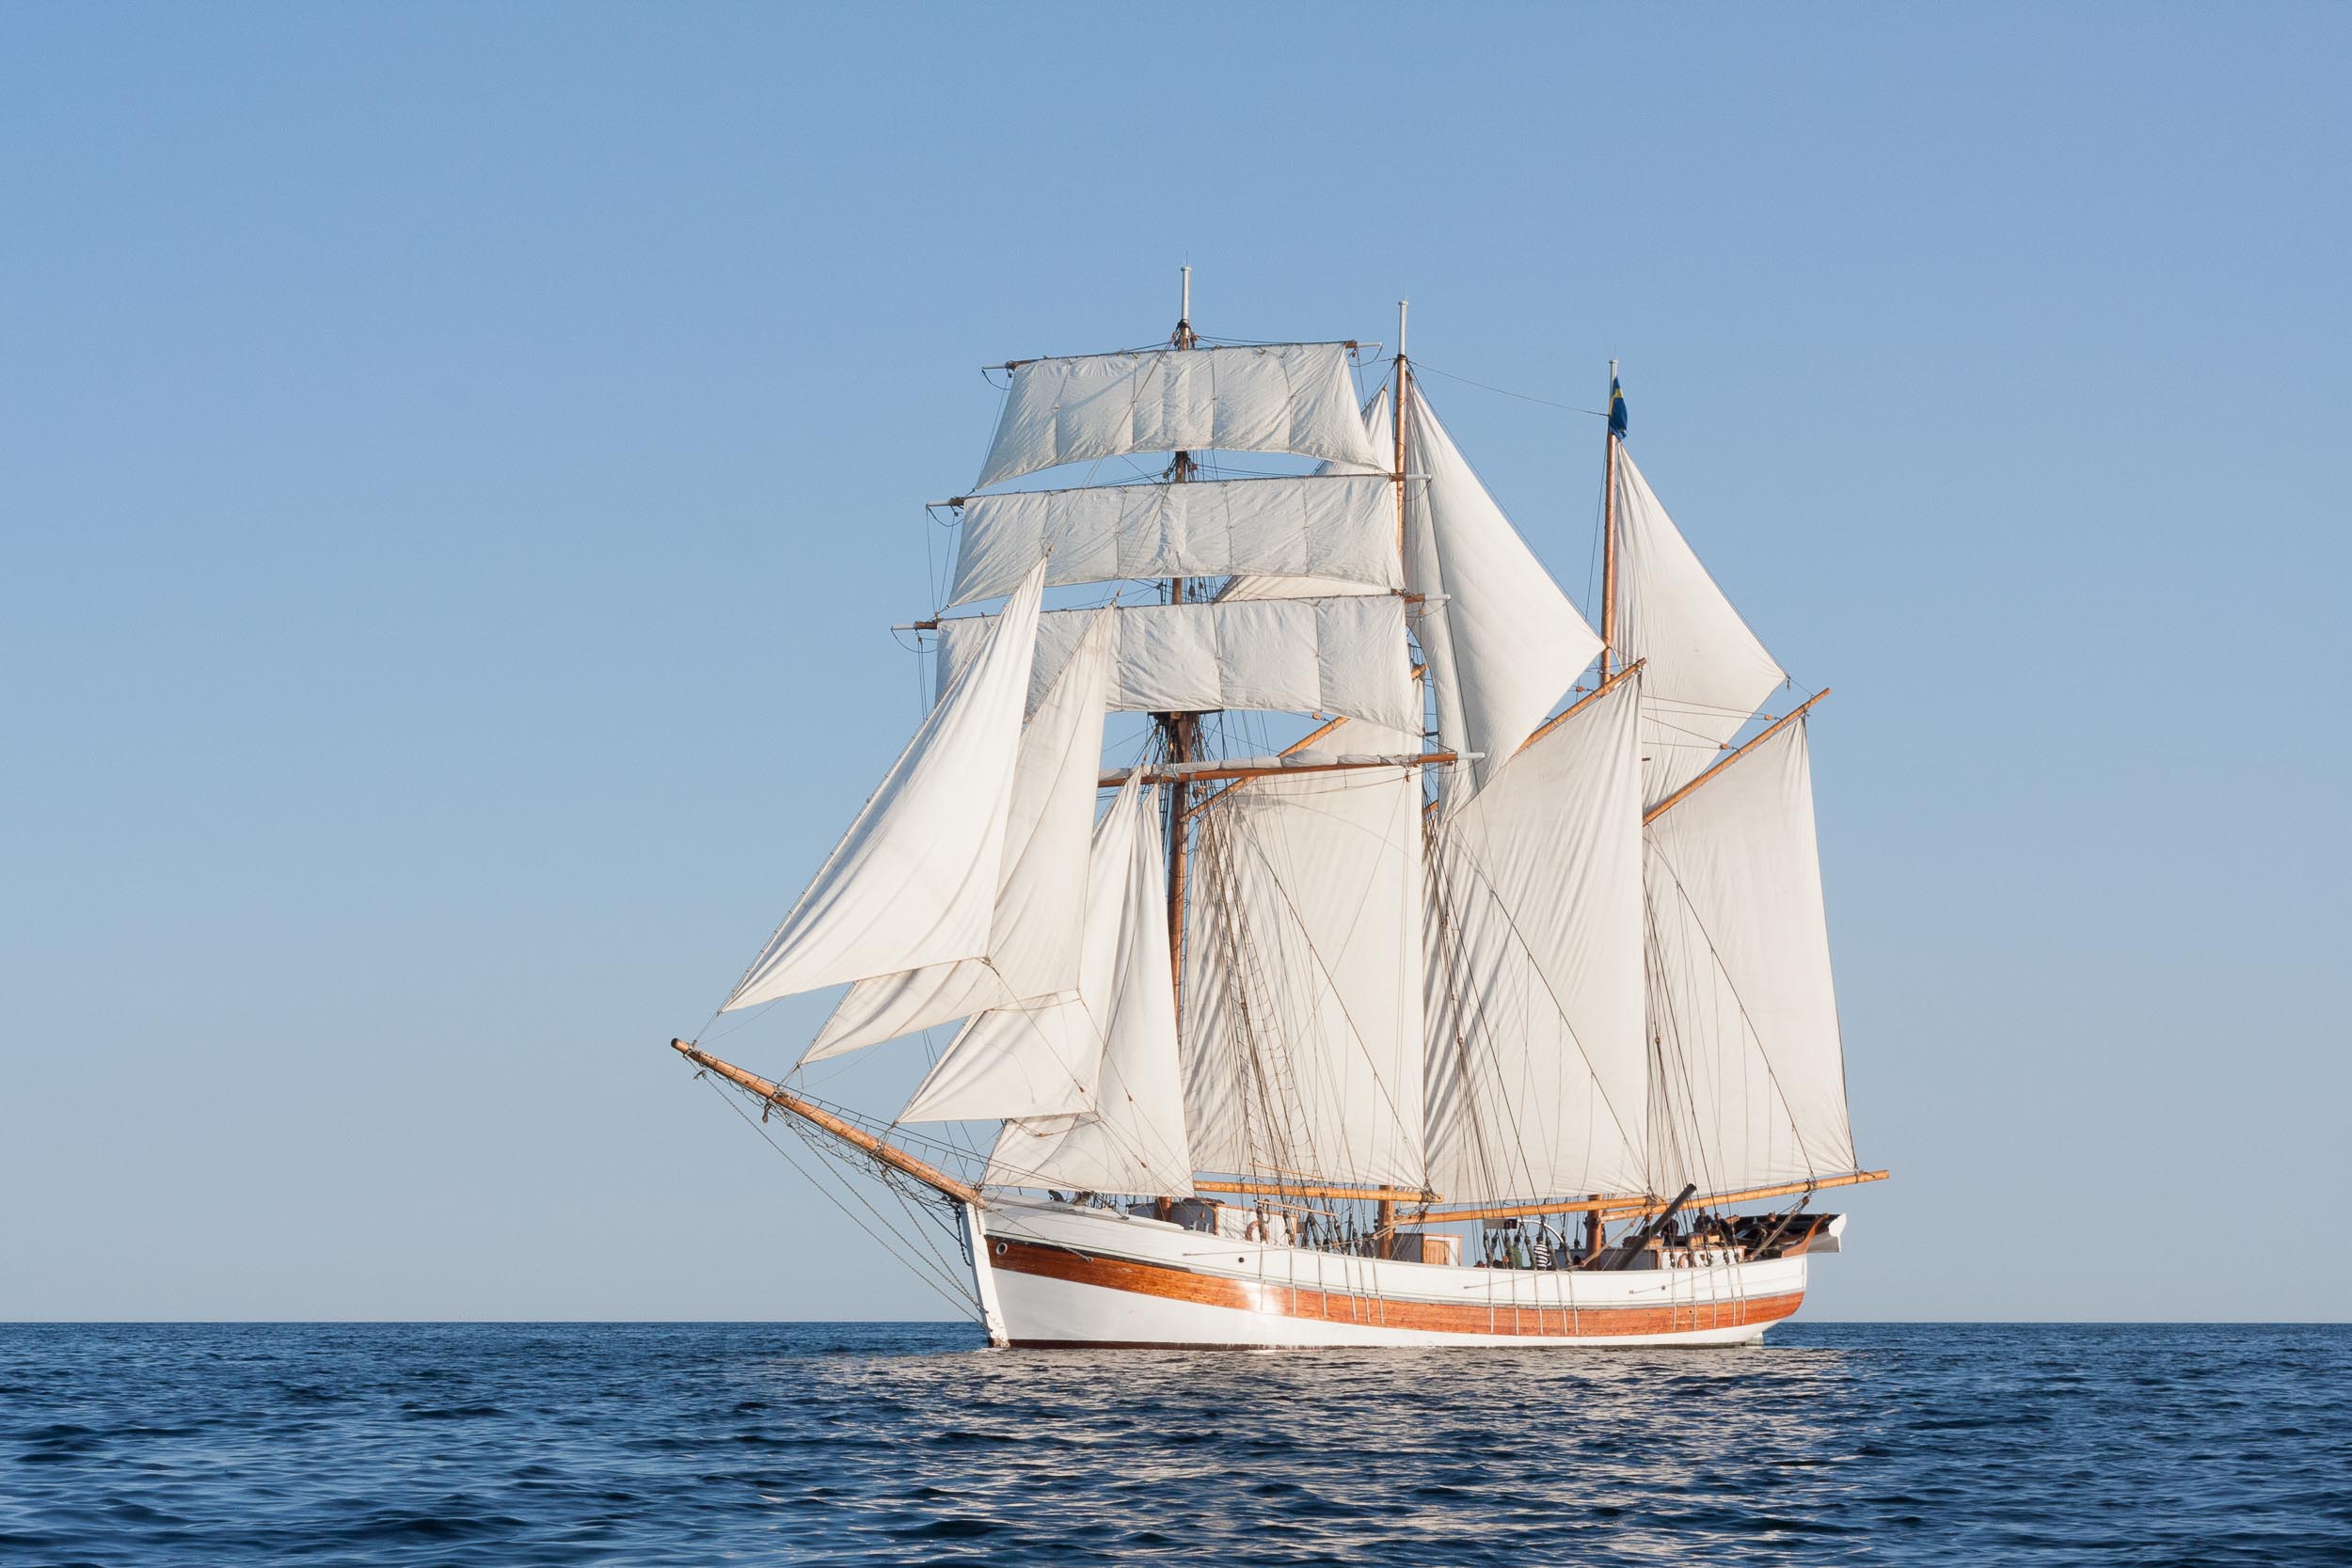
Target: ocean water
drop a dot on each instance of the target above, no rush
(801, 1442)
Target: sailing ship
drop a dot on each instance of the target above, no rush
(1494, 1008)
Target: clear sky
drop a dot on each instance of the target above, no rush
(458, 467)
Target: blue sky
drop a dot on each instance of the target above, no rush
(458, 467)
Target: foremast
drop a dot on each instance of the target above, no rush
(1179, 730)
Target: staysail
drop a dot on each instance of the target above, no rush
(1042, 1056)
(1133, 1140)
(915, 880)
(1502, 641)
(1704, 673)
(1033, 936)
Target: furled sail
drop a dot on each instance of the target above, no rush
(1344, 655)
(1743, 1016)
(1705, 673)
(914, 881)
(1248, 586)
(1132, 1141)
(1276, 397)
(1538, 1075)
(1303, 952)
(1039, 1056)
(1034, 938)
(1340, 528)
(1501, 640)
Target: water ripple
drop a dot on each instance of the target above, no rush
(533, 1444)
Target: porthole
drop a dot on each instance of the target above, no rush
(1000, 1250)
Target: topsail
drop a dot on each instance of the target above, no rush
(1335, 530)
(1276, 397)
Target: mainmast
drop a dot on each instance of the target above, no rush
(1609, 527)
(1384, 1215)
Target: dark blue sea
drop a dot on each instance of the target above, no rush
(804, 1443)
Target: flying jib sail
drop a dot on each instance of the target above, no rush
(1481, 1011)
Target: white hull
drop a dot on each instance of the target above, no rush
(1050, 1274)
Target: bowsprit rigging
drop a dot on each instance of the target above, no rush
(1495, 1008)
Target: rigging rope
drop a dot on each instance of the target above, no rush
(950, 1290)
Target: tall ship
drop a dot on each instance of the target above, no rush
(1345, 942)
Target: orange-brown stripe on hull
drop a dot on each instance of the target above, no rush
(1247, 1295)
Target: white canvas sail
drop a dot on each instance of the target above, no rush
(1246, 586)
(1339, 528)
(1743, 1009)
(1303, 954)
(1041, 1056)
(1034, 938)
(1276, 397)
(914, 881)
(1132, 1141)
(1705, 673)
(1538, 1072)
(1502, 642)
(1339, 656)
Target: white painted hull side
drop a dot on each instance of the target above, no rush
(1059, 1277)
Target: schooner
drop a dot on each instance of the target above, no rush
(1496, 1007)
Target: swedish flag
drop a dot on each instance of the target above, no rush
(1616, 409)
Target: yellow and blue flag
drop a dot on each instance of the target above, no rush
(1616, 409)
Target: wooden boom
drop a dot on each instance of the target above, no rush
(1631, 1208)
(1112, 781)
(856, 1137)
(1606, 685)
(1275, 1189)
(1774, 728)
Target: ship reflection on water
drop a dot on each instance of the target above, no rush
(1464, 1455)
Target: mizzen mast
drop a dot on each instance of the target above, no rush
(1609, 523)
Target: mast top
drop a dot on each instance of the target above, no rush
(1184, 336)
(1402, 306)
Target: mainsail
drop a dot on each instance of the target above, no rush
(1538, 1075)
(1751, 1081)
(1304, 948)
